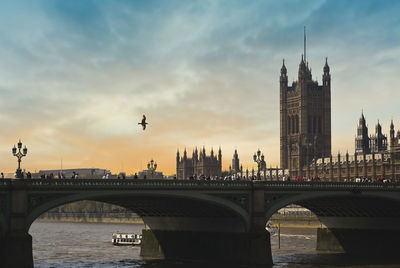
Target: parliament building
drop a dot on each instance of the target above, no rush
(198, 164)
(305, 135)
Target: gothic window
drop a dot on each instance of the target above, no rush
(319, 125)
(297, 124)
(289, 125)
(309, 124)
(314, 124)
(293, 124)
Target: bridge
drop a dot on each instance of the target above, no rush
(220, 221)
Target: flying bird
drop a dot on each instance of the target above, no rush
(143, 123)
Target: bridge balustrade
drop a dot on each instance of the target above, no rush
(118, 183)
(61, 183)
(328, 186)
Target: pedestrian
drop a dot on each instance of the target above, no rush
(2, 175)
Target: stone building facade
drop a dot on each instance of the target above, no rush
(305, 135)
(305, 118)
(367, 163)
(365, 144)
(199, 164)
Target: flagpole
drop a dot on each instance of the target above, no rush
(305, 44)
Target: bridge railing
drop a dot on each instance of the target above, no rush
(121, 183)
(327, 186)
(195, 184)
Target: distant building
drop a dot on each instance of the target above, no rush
(68, 173)
(362, 141)
(379, 140)
(394, 141)
(365, 144)
(371, 160)
(235, 163)
(199, 164)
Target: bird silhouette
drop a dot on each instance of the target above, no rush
(143, 123)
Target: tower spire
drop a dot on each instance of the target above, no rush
(305, 43)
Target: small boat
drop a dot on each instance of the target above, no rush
(125, 239)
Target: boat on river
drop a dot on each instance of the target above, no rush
(126, 239)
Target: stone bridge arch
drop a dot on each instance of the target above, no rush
(358, 222)
(304, 199)
(129, 199)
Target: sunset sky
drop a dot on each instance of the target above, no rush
(77, 76)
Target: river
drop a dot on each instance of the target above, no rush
(89, 245)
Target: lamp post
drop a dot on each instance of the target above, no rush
(19, 155)
(152, 166)
(259, 159)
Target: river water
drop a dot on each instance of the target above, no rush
(89, 245)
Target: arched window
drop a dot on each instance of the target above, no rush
(314, 124)
(293, 124)
(319, 125)
(309, 123)
(297, 124)
(289, 125)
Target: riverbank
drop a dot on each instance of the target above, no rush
(118, 218)
(285, 221)
(296, 221)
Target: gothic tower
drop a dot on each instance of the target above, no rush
(362, 141)
(235, 162)
(379, 140)
(392, 140)
(305, 118)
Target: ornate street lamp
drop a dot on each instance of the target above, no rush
(19, 155)
(259, 159)
(152, 166)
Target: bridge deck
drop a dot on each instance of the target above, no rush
(32, 184)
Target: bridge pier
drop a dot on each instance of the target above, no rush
(216, 247)
(219, 244)
(15, 241)
(362, 242)
(16, 251)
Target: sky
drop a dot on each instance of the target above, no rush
(77, 76)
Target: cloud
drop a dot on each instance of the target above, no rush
(76, 76)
